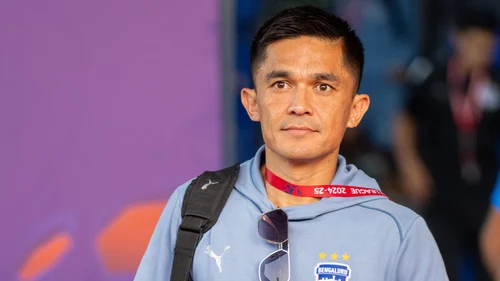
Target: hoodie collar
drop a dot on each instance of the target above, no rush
(346, 174)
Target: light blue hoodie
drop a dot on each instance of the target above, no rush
(377, 239)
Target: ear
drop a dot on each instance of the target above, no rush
(360, 105)
(249, 100)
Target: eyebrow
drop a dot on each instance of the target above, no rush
(277, 74)
(323, 76)
(326, 77)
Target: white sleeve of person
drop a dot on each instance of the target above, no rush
(418, 256)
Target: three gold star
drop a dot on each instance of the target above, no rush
(334, 256)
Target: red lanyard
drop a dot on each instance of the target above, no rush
(320, 191)
(467, 112)
(464, 98)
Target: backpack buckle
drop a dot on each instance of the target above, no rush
(192, 224)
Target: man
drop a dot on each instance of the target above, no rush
(446, 140)
(490, 238)
(307, 66)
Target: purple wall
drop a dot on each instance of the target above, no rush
(103, 103)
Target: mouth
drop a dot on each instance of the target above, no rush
(298, 130)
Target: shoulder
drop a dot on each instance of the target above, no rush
(402, 217)
(209, 176)
(205, 180)
(173, 209)
(179, 192)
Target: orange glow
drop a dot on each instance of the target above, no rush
(123, 242)
(45, 256)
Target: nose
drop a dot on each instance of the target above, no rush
(299, 103)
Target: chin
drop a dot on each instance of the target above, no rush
(298, 152)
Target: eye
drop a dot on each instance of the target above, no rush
(279, 85)
(324, 87)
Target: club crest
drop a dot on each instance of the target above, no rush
(332, 272)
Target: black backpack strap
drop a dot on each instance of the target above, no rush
(203, 202)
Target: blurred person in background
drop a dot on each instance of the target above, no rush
(386, 28)
(446, 138)
(490, 237)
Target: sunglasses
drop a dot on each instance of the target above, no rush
(273, 226)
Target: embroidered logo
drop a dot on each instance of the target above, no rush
(332, 272)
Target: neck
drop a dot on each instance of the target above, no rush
(467, 66)
(318, 172)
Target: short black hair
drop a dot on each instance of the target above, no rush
(475, 17)
(314, 22)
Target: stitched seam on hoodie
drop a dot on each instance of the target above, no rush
(389, 214)
(394, 274)
(399, 229)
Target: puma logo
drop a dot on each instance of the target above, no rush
(217, 258)
(208, 184)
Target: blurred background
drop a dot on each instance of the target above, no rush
(107, 106)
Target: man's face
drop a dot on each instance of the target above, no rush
(475, 46)
(304, 98)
